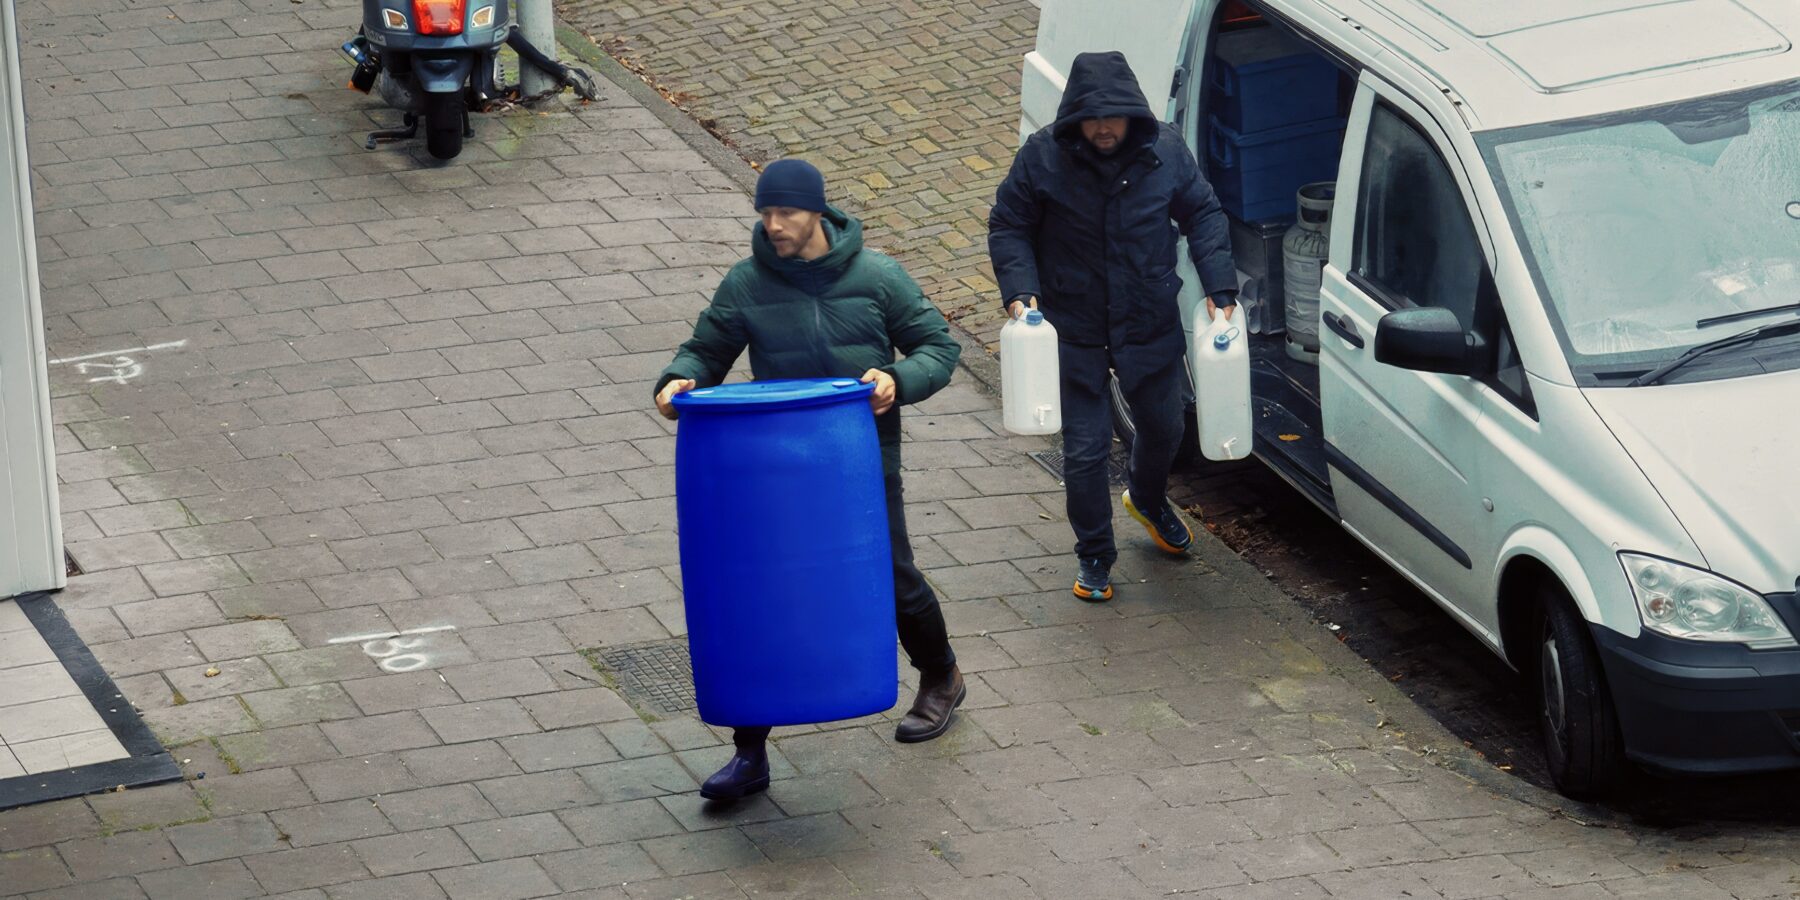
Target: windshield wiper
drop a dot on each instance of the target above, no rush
(1710, 321)
(1743, 337)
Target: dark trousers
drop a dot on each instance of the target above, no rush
(917, 615)
(1156, 401)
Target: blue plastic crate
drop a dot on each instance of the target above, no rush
(1263, 79)
(1256, 175)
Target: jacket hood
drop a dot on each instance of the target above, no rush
(845, 233)
(1102, 85)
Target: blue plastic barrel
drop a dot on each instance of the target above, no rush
(786, 568)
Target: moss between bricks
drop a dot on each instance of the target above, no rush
(607, 680)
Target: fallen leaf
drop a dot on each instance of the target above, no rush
(212, 672)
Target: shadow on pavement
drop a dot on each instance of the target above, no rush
(1416, 645)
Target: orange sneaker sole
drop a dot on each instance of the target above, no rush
(1155, 536)
(1098, 596)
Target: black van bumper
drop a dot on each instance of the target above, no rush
(1697, 708)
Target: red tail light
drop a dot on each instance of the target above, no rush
(439, 16)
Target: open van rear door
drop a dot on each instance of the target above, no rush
(1148, 32)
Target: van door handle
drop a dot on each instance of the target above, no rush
(1342, 328)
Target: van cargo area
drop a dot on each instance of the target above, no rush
(1275, 114)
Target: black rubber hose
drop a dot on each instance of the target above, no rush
(484, 77)
(535, 56)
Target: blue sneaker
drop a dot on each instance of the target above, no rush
(1167, 528)
(1094, 583)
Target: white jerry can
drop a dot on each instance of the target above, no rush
(1030, 376)
(1220, 358)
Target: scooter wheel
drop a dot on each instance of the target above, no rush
(444, 124)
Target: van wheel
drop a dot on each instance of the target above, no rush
(444, 124)
(1575, 710)
(1126, 431)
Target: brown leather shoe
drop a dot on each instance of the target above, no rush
(932, 712)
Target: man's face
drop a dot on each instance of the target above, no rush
(1105, 134)
(789, 229)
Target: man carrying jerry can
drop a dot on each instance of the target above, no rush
(1084, 227)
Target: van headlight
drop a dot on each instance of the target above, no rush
(1685, 602)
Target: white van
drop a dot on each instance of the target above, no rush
(1557, 381)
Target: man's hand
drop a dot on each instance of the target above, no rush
(1211, 309)
(882, 399)
(665, 399)
(1017, 308)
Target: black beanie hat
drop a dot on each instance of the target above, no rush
(791, 182)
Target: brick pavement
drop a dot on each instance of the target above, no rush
(387, 467)
(910, 108)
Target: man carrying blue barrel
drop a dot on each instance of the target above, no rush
(812, 303)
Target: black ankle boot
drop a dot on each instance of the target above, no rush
(939, 696)
(746, 774)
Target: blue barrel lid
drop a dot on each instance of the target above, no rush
(763, 396)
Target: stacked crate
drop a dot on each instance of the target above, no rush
(1275, 123)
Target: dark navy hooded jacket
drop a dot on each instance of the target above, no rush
(1095, 238)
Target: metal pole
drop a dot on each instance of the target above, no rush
(537, 24)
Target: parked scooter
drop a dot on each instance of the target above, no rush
(436, 60)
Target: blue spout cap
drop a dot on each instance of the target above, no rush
(1034, 317)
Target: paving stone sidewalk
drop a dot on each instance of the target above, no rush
(910, 108)
(381, 459)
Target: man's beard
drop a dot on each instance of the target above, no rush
(791, 246)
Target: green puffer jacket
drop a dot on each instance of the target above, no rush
(837, 316)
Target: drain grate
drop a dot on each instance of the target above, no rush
(658, 675)
(1052, 461)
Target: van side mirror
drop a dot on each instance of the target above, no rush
(1430, 339)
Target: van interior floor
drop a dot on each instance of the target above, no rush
(1289, 427)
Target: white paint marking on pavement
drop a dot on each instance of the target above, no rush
(169, 345)
(387, 646)
(364, 638)
(123, 369)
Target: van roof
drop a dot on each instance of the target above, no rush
(1518, 62)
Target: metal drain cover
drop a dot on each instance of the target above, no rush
(1116, 463)
(658, 675)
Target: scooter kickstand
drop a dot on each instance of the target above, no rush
(411, 130)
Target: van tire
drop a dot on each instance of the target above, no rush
(1126, 431)
(1582, 743)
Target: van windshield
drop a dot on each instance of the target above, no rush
(1643, 226)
